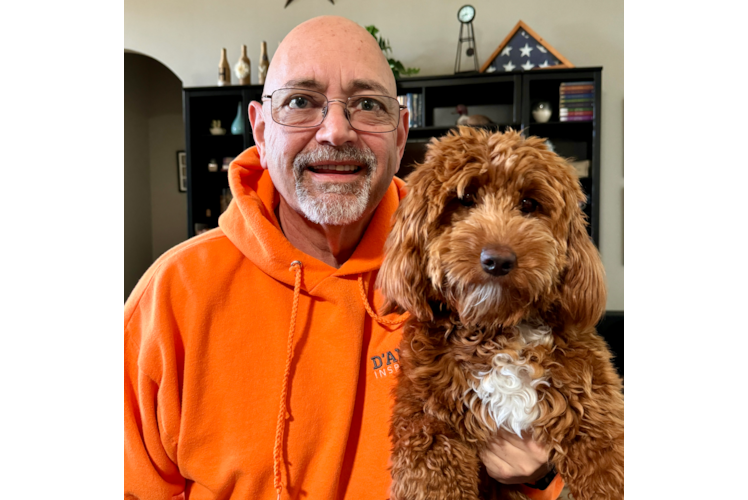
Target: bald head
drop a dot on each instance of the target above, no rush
(340, 59)
(310, 49)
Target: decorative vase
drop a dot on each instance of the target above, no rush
(224, 71)
(237, 126)
(542, 111)
(243, 67)
(262, 68)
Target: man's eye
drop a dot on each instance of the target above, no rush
(528, 205)
(368, 104)
(298, 102)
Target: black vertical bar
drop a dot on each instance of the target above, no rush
(525, 119)
(188, 152)
(598, 76)
(517, 103)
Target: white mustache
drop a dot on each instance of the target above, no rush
(346, 153)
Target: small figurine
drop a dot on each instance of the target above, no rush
(471, 120)
(215, 128)
(462, 111)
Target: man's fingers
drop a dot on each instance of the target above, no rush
(497, 468)
(511, 459)
(524, 443)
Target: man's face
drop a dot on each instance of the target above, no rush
(332, 174)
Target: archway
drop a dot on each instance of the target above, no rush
(155, 209)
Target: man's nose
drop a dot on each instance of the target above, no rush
(336, 130)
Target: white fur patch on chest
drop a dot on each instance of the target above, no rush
(508, 391)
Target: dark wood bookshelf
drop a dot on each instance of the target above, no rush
(511, 95)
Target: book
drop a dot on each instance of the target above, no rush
(575, 118)
(576, 84)
(576, 90)
(577, 96)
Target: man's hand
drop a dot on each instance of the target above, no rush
(511, 460)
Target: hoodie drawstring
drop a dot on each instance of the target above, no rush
(296, 266)
(379, 319)
(280, 427)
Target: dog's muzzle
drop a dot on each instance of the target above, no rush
(498, 261)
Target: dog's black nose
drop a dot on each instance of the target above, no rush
(498, 261)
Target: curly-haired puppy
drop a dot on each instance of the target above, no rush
(490, 255)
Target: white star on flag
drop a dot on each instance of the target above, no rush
(542, 49)
(528, 65)
(525, 51)
(544, 65)
(506, 51)
(509, 66)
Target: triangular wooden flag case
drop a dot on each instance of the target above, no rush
(523, 49)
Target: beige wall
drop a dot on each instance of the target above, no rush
(187, 37)
(155, 210)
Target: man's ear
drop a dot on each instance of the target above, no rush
(402, 134)
(257, 119)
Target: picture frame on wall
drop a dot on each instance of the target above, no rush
(522, 50)
(182, 171)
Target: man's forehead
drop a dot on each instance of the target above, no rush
(331, 55)
(356, 85)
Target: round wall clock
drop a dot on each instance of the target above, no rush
(466, 13)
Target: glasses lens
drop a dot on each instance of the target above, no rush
(298, 108)
(373, 113)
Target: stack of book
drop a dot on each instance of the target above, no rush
(576, 101)
(415, 108)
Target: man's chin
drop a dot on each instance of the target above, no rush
(333, 209)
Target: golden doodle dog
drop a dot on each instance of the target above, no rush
(490, 255)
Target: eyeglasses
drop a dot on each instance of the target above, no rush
(306, 109)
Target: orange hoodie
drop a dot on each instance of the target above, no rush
(244, 375)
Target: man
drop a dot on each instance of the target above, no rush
(252, 369)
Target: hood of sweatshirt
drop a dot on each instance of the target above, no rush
(251, 225)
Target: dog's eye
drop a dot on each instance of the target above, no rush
(528, 205)
(468, 199)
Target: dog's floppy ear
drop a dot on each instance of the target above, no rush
(402, 277)
(583, 292)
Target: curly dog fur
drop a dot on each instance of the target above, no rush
(490, 255)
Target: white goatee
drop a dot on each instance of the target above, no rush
(334, 203)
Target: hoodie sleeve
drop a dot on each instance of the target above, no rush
(152, 403)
